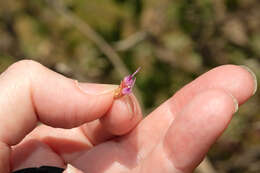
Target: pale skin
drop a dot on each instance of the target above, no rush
(83, 125)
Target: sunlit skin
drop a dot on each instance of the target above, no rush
(84, 125)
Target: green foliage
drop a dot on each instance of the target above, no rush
(232, 5)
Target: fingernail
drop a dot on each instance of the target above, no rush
(127, 105)
(253, 76)
(236, 106)
(131, 106)
(96, 89)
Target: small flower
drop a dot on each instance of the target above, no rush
(126, 85)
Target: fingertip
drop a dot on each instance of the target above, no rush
(240, 81)
(198, 126)
(213, 102)
(123, 115)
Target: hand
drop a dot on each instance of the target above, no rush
(87, 128)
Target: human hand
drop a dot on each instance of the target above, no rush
(105, 137)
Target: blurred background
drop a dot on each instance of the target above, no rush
(173, 41)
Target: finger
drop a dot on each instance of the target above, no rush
(96, 132)
(34, 153)
(37, 93)
(198, 126)
(123, 116)
(233, 79)
(193, 131)
(69, 143)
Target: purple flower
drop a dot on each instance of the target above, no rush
(126, 85)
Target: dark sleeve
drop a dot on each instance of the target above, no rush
(43, 169)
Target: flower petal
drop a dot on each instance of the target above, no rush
(126, 91)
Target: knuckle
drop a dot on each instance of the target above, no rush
(25, 64)
(24, 71)
(24, 68)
